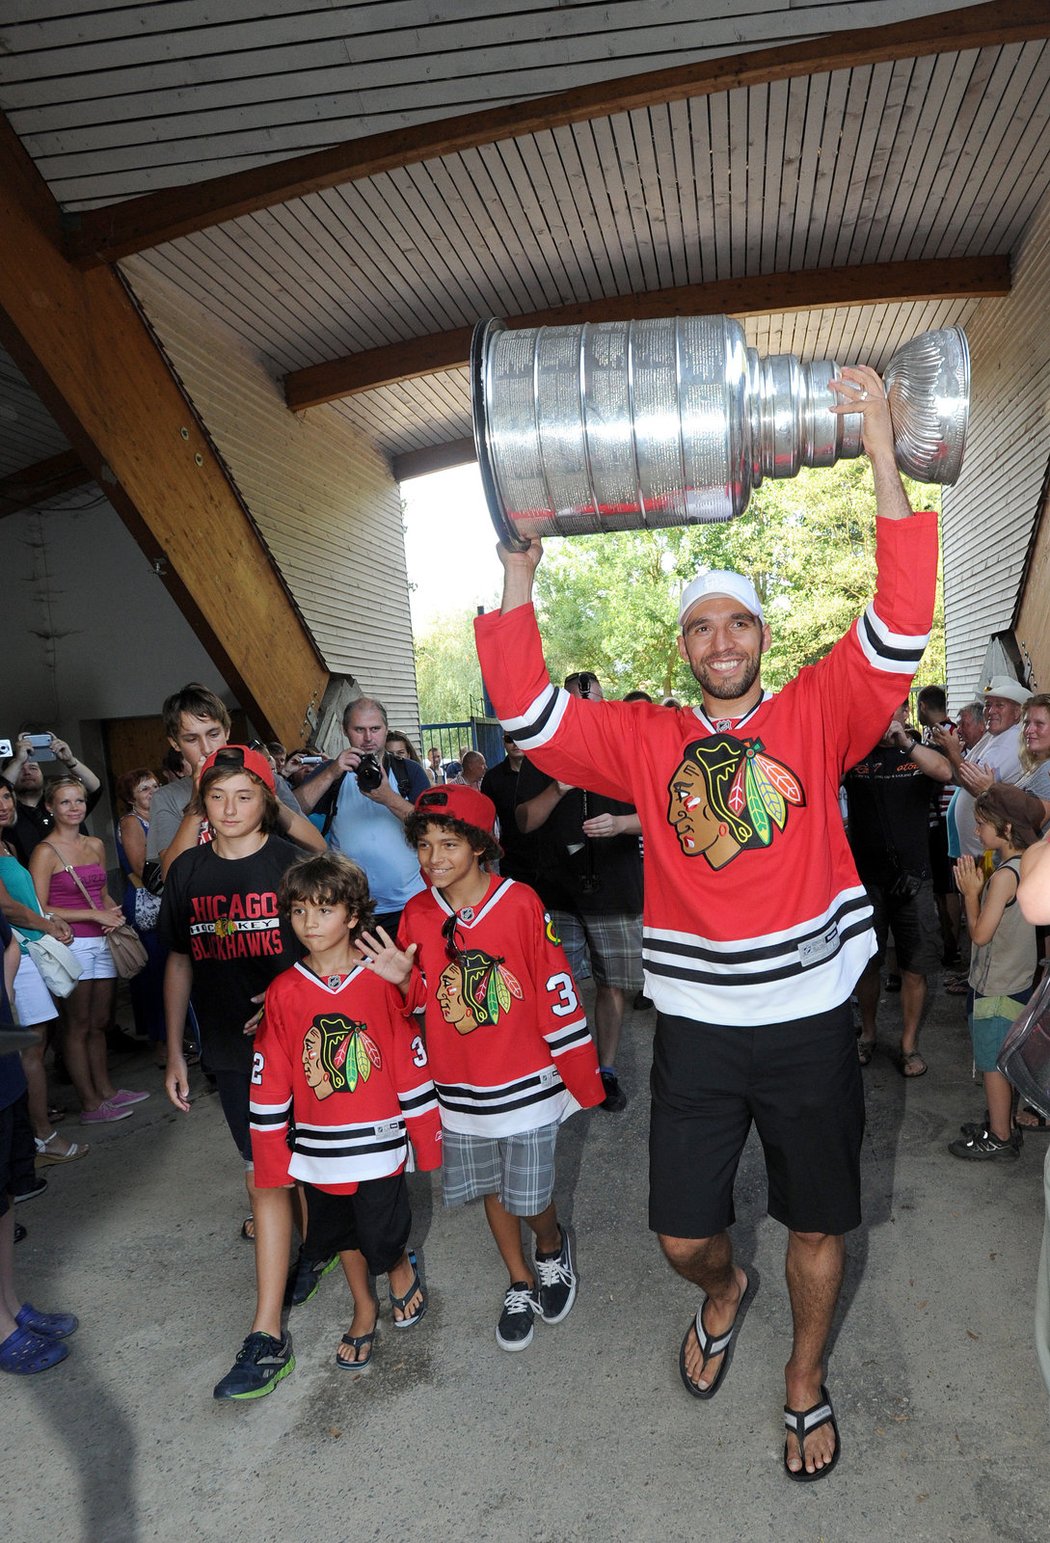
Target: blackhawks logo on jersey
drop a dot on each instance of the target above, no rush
(728, 796)
(338, 1055)
(474, 990)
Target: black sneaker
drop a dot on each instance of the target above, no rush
(556, 1282)
(984, 1148)
(20, 1232)
(514, 1330)
(36, 1186)
(305, 1277)
(615, 1098)
(261, 1363)
(980, 1128)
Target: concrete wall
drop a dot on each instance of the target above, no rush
(989, 515)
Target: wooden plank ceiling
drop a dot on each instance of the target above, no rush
(938, 157)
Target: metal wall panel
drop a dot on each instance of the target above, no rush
(323, 499)
(988, 516)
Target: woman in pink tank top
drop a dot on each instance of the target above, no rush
(54, 861)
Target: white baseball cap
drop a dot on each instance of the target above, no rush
(1006, 686)
(724, 583)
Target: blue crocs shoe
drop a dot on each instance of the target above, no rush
(51, 1325)
(24, 1353)
(261, 1363)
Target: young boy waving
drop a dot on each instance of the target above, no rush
(507, 1039)
(336, 1063)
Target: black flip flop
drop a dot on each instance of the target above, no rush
(356, 1342)
(722, 1345)
(802, 1423)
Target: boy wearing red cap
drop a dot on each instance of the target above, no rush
(507, 1039)
(227, 941)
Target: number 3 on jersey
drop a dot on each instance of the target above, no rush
(567, 1000)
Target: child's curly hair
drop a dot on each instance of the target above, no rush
(483, 842)
(330, 879)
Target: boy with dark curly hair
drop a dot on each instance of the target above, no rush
(509, 1047)
(338, 1067)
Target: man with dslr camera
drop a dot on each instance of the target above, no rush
(888, 798)
(365, 796)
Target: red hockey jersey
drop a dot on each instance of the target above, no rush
(506, 1032)
(340, 1064)
(753, 909)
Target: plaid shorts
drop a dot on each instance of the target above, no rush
(614, 944)
(519, 1169)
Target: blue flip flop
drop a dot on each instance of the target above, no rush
(402, 1302)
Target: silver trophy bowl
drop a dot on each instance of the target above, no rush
(634, 425)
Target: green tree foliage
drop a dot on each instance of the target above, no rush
(610, 603)
(448, 676)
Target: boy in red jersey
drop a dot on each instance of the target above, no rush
(336, 1059)
(509, 1047)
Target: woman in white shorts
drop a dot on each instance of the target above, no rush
(33, 1002)
(54, 861)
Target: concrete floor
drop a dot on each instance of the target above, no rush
(588, 1435)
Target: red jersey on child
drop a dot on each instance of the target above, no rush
(337, 1061)
(506, 1032)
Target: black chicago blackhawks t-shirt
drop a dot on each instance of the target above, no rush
(222, 912)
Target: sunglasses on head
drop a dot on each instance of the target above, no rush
(585, 679)
(437, 798)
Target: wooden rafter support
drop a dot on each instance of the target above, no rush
(116, 230)
(808, 289)
(87, 352)
(44, 480)
(420, 463)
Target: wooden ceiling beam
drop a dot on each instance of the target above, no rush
(85, 349)
(113, 231)
(420, 463)
(44, 480)
(806, 290)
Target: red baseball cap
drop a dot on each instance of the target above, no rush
(459, 803)
(241, 758)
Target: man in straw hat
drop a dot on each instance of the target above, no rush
(756, 925)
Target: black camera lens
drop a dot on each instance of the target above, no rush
(369, 774)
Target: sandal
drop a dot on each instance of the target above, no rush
(802, 1423)
(865, 1051)
(50, 1325)
(248, 1229)
(356, 1342)
(911, 1064)
(723, 1345)
(24, 1353)
(45, 1153)
(957, 988)
(1034, 1120)
(399, 1304)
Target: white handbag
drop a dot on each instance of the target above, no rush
(59, 966)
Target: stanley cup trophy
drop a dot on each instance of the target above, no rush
(635, 424)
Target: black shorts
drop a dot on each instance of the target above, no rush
(235, 1096)
(376, 1220)
(913, 922)
(17, 1152)
(799, 1081)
